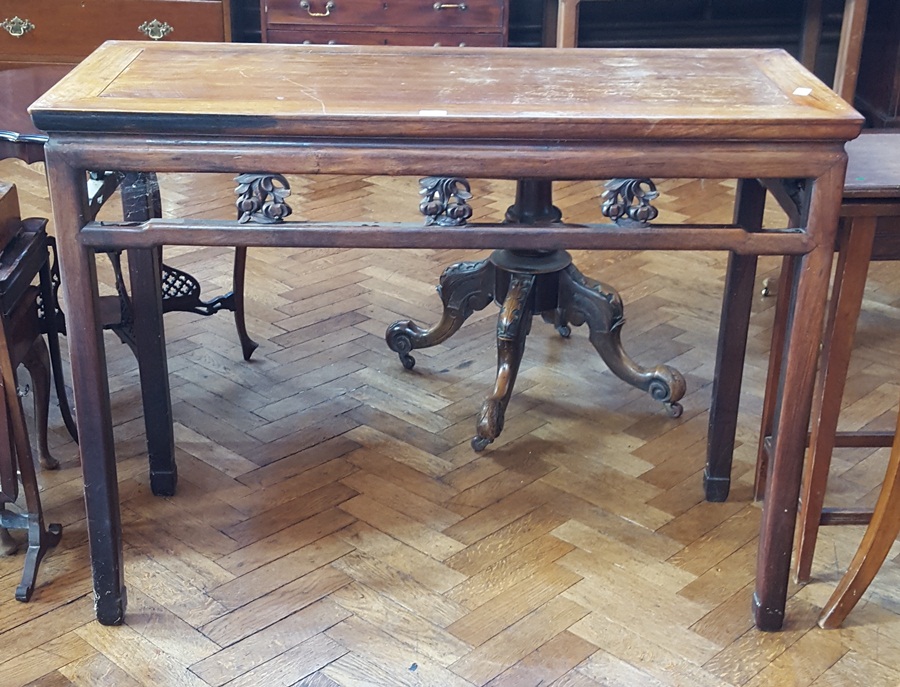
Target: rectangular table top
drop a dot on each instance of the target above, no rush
(445, 93)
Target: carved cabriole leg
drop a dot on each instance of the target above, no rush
(37, 362)
(584, 300)
(248, 345)
(97, 447)
(464, 288)
(512, 328)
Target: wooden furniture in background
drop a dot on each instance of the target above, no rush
(878, 92)
(481, 23)
(40, 42)
(516, 114)
(870, 230)
(876, 543)
(849, 49)
(23, 255)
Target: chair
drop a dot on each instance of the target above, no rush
(24, 256)
(870, 230)
(876, 542)
(180, 291)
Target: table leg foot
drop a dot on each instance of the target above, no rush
(767, 619)
(163, 482)
(110, 608)
(716, 488)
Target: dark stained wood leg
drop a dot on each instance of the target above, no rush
(98, 459)
(874, 548)
(52, 329)
(809, 287)
(854, 252)
(140, 200)
(512, 329)
(733, 327)
(144, 270)
(248, 345)
(37, 362)
(773, 375)
(464, 288)
(584, 300)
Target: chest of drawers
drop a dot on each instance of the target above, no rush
(66, 31)
(386, 22)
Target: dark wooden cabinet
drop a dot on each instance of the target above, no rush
(66, 31)
(878, 87)
(385, 22)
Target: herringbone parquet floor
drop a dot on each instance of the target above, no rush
(333, 527)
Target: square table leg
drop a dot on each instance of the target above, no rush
(809, 286)
(91, 386)
(734, 325)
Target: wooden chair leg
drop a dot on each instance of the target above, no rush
(37, 362)
(853, 29)
(854, 253)
(774, 375)
(248, 345)
(876, 543)
(812, 33)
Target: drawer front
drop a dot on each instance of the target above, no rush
(71, 29)
(337, 37)
(434, 15)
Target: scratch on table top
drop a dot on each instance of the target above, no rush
(310, 93)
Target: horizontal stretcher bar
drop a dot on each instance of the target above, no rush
(158, 232)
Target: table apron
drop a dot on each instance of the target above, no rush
(474, 159)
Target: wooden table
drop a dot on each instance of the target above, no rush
(514, 114)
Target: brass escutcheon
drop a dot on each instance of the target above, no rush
(155, 29)
(17, 27)
(304, 5)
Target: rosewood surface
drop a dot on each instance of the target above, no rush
(522, 114)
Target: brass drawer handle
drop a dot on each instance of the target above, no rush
(304, 5)
(17, 27)
(461, 6)
(155, 29)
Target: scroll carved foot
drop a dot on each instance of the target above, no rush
(512, 328)
(584, 300)
(464, 288)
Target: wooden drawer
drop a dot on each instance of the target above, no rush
(338, 37)
(426, 15)
(71, 29)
